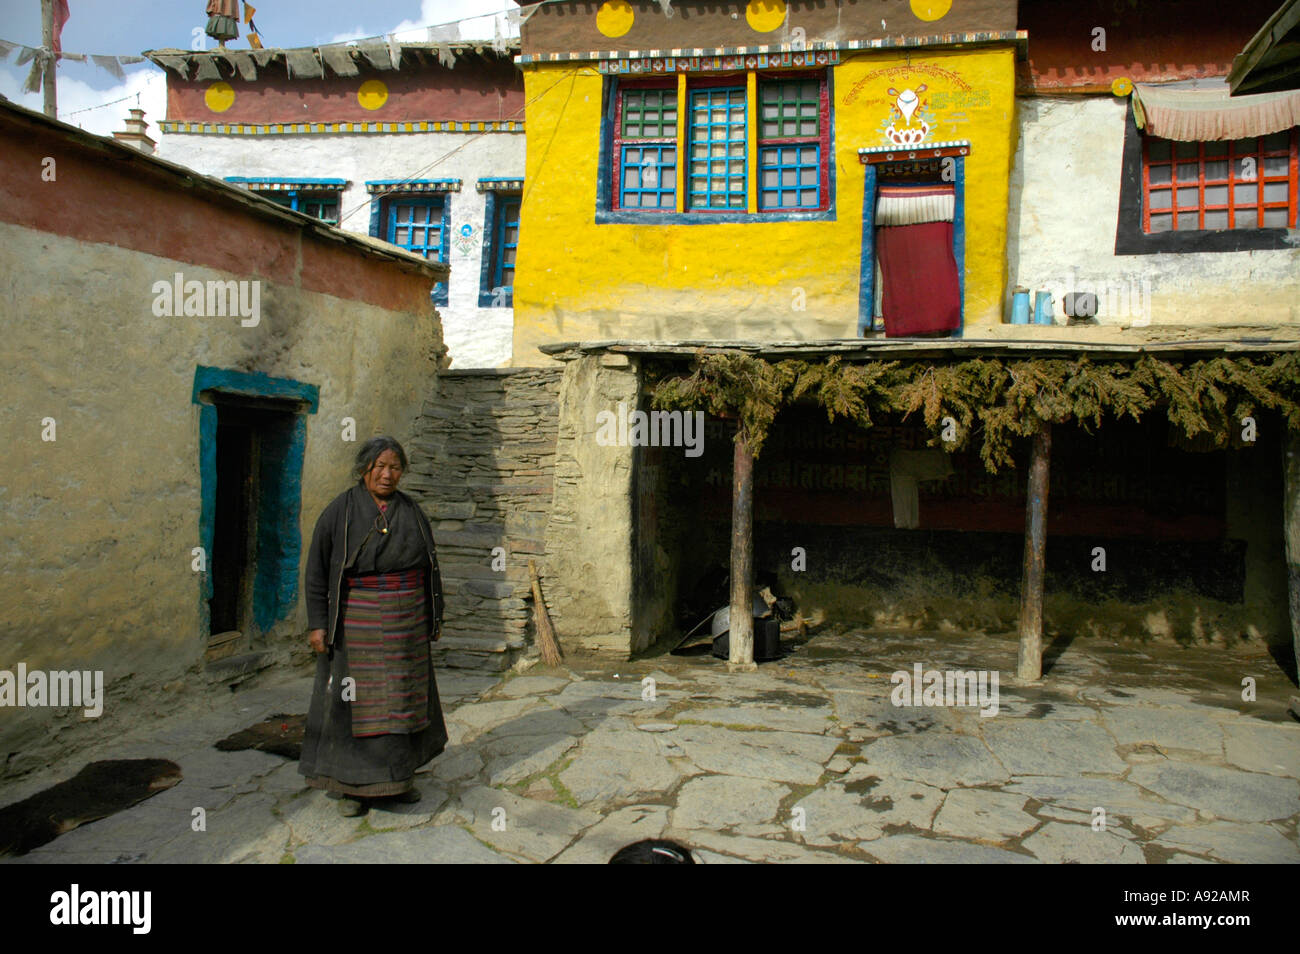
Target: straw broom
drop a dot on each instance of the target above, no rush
(542, 619)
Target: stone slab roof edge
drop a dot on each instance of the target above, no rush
(220, 191)
(916, 347)
(270, 54)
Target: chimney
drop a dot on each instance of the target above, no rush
(134, 135)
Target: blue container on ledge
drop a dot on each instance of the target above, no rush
(1020, 306)
(1043, 308)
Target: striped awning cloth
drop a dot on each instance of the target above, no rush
(1211, 115)
(900, 204)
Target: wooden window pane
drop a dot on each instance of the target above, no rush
(1217, 169)
(1216, 220)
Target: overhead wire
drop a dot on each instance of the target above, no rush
(397, 187)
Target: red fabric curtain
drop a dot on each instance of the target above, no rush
(921, 293)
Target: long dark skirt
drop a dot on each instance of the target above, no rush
(373, 766)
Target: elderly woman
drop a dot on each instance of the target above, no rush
(374, 602)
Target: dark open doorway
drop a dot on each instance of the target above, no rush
(253, 440)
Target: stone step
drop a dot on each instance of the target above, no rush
(482, 645)
(483, 662)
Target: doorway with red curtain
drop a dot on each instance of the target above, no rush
(920, 292)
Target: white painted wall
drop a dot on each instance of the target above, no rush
(475, 337)
(1065, 186)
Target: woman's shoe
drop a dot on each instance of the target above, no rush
(351, 807)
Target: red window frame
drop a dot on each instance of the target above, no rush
(823, 137)
(617, 142)
(1233, 158)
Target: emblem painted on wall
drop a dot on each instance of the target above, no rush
(466, 240)
(909, 121)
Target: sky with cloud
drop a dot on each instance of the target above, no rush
(93, 99)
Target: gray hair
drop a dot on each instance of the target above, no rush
(370, 452)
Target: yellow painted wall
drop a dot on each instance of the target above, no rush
(576, 280)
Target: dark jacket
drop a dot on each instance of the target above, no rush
(334, 544)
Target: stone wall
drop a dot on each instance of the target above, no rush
(590, 539)
(103, 509)
(482, 465)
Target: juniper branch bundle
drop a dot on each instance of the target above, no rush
(998, 400)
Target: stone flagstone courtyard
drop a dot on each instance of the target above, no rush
(806, 760)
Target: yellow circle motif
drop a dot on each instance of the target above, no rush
(372, 94)
(614, 18)
(1121, 86)
(931, 9)
(219, 97)
(765, 16)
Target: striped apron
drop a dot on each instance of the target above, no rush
(386, 621)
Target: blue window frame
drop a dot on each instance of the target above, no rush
(500, 242)
(649, 176)
(506, 240)
(416, 225)
(789, 177)
(419, 224)
(645, 147)
(786, 121)
(319, 198)
(319, 205)
(717, 162)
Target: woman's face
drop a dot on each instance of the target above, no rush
(382, 477)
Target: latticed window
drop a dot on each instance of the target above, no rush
(789, 144)
(749, 144)
(318, 198)
(647, 149)
(717, 165)
(505, 241)
(417, 225)
(1199, 186)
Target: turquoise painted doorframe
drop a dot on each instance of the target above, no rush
(279, 539)
(867, 270)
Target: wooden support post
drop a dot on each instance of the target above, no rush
(1029, 665)
(1291, 528)
(47, 42)
(741, 636)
